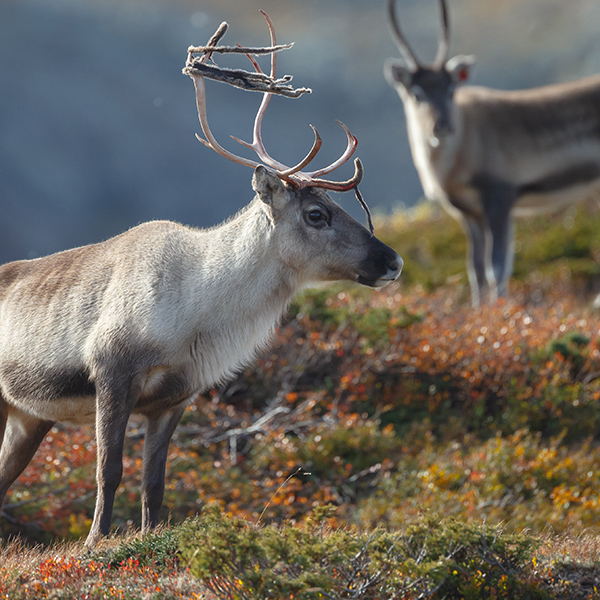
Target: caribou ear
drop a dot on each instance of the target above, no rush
(460, 68)
(270, 189)
(398, 71)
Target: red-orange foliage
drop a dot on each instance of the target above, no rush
(362, 394)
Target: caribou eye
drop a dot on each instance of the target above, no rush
(316, 216)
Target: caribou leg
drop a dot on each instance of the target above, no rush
(494, 244)
(502, 251)
(114, 402)
(498, 198)
(21, 436)
(159, 431)
(476, 263)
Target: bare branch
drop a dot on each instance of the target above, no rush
(245, 80)
(214, 40)
(238, 49)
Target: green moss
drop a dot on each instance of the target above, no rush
(373, 324)
(431, 243)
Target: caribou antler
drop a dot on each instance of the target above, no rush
(404, 47)
(198, 69)
(399, 37)
(444, 45)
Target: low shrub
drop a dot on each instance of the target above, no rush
(431, 559)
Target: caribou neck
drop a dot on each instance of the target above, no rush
(252, 256)
(434, 160)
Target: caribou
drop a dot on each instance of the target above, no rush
(487, 155)
(145, 321)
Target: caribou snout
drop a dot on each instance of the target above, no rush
(442, 129)
(382, 266)
(394, 268)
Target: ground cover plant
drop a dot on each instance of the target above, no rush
(390, 444)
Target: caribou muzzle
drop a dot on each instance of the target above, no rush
(382, 265)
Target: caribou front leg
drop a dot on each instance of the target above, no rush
(114, 402)
(476, 254)
(156, 445)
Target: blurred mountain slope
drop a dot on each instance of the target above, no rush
(97, 122)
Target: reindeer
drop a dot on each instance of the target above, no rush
(488, 154)
(143, 322)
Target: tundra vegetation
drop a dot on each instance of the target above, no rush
(391, 444)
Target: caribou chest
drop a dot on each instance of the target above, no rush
(432, 164)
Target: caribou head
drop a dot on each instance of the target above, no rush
(308, 220)
(428, 90)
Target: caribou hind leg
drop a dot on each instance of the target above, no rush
(498, 198)
(21, 436)
(159, 431)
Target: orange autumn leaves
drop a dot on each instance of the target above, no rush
(362, 395)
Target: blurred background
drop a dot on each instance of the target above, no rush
(97, 122)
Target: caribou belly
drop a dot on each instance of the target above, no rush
(548, 200)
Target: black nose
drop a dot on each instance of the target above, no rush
(394, 266)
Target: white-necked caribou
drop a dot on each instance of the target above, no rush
(489, 154)
(143, 322)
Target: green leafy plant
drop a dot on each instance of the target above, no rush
(573, 348)
(433, 558)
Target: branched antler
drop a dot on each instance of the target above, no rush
(198, 69)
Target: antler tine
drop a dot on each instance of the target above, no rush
(398, 36)
(200, 88)
(444, 46)
(257, 143)
(339, 186)
(308, 158)
(350, 149)
(283, 171)
(259, 148)
(210, 141)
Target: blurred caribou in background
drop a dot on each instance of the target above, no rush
(488, 154)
